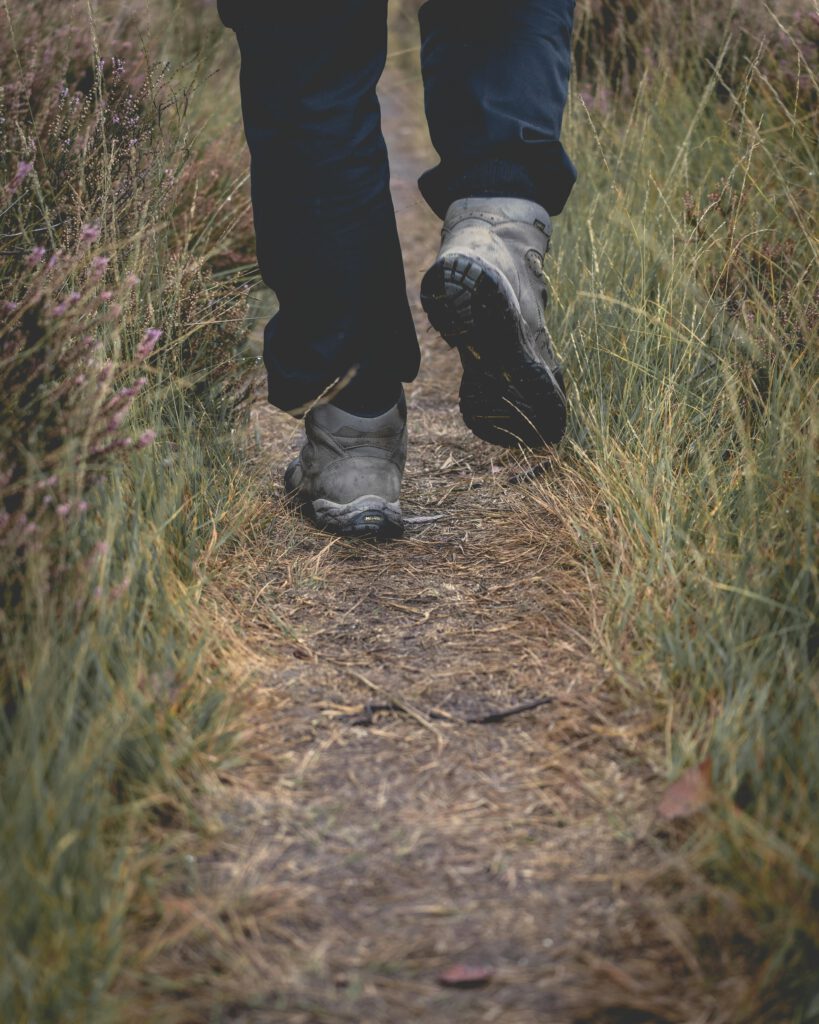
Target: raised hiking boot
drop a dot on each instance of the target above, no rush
(486, 295)
(347, 477)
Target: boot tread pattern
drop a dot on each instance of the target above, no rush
(506, 398)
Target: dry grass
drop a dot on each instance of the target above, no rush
(357, 862)
(121, 372)
(275, 861)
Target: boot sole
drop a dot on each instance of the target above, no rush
(506, 397)
(367, 516)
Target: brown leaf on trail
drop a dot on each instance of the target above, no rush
(466, 975)
(688, 794)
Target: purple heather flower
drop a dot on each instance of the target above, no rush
(120, 588)
(148, 343)
(148, 437)
(63, 509)
(89, 233)
(99, 265)
(24, 168)
(35, 256)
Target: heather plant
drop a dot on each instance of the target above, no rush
(94, 175)
(123, 373)
(67, 418)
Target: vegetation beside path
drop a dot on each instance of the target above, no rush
(685, 302)
(686, 298)
(122, 373)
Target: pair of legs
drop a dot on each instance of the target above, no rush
(495, 79)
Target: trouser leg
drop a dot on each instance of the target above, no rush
(496, 80)
(325, 227)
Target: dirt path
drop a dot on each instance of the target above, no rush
(362, 860)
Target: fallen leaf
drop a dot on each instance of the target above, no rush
(688, 794)
(466, 975)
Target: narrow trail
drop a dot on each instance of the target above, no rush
(359, 861)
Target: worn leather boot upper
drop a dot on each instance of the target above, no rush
(349, 471)
(486, 295)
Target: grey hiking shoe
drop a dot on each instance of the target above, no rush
(486, 295)
(347, 477)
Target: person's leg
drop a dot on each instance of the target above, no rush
(496, 80)
(325, 227)
(327, 244)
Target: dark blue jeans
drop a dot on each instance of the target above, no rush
(495, 79)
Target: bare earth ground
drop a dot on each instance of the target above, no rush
(356, 862)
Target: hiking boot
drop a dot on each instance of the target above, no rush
(347, 477)
(486, 295)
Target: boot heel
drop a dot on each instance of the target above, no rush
(448, 293)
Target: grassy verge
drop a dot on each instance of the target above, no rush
(122, 375)
(687, 303)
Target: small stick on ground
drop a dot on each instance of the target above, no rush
(498, 716)
(396, 704)
(371, 708)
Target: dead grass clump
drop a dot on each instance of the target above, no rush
(691, 325)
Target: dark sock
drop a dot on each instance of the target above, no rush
(495, 179)
(369, 395)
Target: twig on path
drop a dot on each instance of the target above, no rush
(366, 716)
(395, 704)
(498, 716)
(371, 708)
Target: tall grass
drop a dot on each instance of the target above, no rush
(686, 300)
(122, 375)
